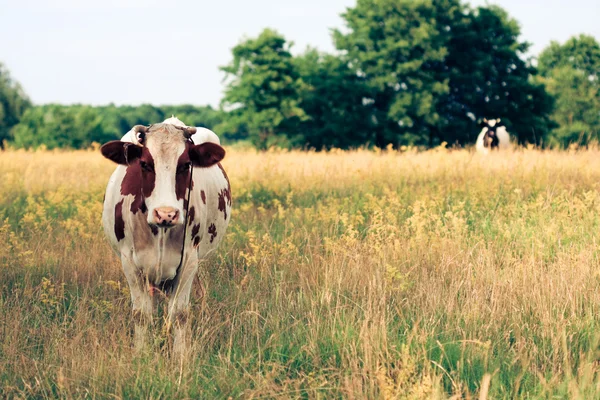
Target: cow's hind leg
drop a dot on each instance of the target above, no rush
(142, 303)
(179, 306)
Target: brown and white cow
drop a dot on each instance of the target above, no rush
(159, 238)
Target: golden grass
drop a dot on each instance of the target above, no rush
(344, 274)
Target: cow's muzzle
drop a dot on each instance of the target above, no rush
(165, 216)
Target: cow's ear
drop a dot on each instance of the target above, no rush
(483, 123)
(499, 124)
(121, 152)
(206, 154)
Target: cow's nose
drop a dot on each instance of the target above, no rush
(165, 215)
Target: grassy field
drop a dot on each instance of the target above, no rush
(343, 275)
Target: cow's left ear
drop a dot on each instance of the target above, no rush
(121, 152)
(206, 154)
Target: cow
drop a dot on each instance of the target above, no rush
(167, 206)
(492, 136)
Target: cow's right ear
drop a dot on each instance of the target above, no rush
(121, 152)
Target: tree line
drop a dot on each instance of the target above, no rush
(78, 126)
(405, 73)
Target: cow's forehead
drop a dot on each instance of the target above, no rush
(165, 142)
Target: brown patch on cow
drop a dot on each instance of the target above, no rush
(212, 230)
(196, 241)
(139, 182)
(228, 190)
(138, 204)
(148, 177)
(223, 195)
(224, 174)
(195, 230)
(182, 174)
(119, 222)
(203, 195)
(154, 229)
(191, 215)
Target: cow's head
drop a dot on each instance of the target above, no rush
(158, 168)
(490, 139)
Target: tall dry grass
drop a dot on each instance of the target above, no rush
(343, 275)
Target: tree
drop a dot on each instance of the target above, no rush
(581, 53)
(396, 46)
(77, 126)
(56, 126)
(488, 78)
(333, 101)
(262, 90)
(571, 72)
(435, 68)
(577, 106)
(144, 114)
(13, 103)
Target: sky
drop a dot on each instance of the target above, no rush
(149, 51)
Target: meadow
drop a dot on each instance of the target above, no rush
(358, 274)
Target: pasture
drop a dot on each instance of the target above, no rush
(352, 275)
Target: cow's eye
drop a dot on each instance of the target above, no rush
(183, 168)
(146, 167)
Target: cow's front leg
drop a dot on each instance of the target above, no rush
(141, 300)
(179, 306)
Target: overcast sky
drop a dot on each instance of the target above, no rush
(159, 52)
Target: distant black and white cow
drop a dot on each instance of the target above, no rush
(167, 206)
(492, 136)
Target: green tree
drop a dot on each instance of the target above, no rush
(334, 100)
(262, 91)
(435, 68)
(396, 46)
(581, 53)
(144, 114)
(13, 103)
(57, 126)
(488, 78)
(571, 73)
(77, 126)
